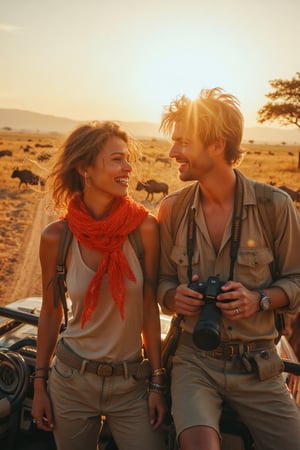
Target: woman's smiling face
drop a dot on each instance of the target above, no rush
(111, 171)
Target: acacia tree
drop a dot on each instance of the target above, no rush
(284, 106)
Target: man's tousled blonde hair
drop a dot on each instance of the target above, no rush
(212, 116)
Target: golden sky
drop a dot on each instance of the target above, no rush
(126, 59)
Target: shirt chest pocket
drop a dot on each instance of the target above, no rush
(254, 265)
(180, 257)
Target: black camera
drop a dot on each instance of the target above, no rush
(206, 334)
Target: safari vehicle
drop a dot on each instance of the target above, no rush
(18, 334)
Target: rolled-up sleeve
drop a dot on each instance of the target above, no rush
(287, 254)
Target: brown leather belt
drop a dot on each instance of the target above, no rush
(139, 367)
(228, 350)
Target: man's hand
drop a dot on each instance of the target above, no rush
(237, 302)
(187, 301)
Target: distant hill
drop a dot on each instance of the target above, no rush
(18, 119)
(31, 121)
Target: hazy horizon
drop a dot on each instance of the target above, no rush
(36, 122)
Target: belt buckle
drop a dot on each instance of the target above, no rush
(218, 353)
(249, 347)
(228, 351)
(104, 370)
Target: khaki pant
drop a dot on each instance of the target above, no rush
(201, 383)
(79, 401)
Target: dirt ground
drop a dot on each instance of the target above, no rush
(25, 279)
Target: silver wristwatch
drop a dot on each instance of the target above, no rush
(264, 301)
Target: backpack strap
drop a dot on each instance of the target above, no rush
(266, 210)
(59, 281)
(136, 241)
(181, 203)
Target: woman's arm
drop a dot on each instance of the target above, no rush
(48, 327)
(151, 321)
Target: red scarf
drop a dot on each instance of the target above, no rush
(107, 236)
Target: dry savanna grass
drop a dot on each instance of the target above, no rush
(276, 164)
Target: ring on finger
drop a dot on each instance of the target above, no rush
(237, 311)
(37, 421)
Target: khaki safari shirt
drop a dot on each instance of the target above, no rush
(251, 266)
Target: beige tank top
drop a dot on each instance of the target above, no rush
(106, 337)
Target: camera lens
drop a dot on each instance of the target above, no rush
(206, 338)
(206, 335)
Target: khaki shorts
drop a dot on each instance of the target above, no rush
(200, 385)
(79, 401)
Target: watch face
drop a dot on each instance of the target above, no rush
(265, 304)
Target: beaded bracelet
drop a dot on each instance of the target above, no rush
(158, 372)
(159, 388)
(34, 377)
(39, 369)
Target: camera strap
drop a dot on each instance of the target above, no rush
(236, 229)
(191, 234)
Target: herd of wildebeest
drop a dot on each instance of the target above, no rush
(27, 177)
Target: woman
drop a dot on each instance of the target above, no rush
(98, 367)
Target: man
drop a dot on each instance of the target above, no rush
(235, 359)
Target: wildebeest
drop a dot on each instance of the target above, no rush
(164, 159)
(152, 187)
(27, 148)
(27, 177)
(295, 196)
(43, 145)
(43, 157)
(5, 153)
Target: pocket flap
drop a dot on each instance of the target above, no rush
(254, 257)
(268, 363)
(180, 257)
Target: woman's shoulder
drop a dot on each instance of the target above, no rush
(149, 231)
(150, 223)
(53, 231)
